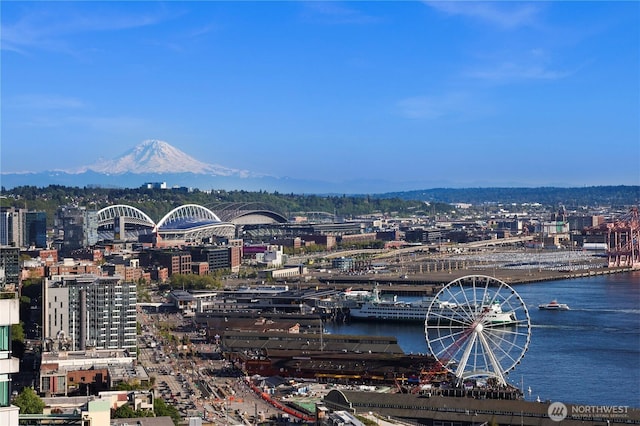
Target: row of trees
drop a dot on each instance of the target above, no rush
(160, 409)
(157, 202)
(612, 196)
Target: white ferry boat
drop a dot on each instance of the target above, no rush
(394, 310)
(391, 310)
(554, 306)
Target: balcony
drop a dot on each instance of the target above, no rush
(9, 310)
(9, 365)
(9, 415)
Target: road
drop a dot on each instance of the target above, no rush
(196, 386)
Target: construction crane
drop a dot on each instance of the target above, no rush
(623, 240)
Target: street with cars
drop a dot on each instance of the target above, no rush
(193, 377)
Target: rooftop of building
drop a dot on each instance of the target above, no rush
(125, 373)
(93, 354)
(182, 295)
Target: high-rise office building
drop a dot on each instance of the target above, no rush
(4, 227)
(89, 311)
(78, 227)
(23, 228)
(12, 226)
(9, 266)
(35, 229)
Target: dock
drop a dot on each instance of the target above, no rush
(427, 284)
(470, 411)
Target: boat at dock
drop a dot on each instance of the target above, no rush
(554, 306)
(442, 311)
(391, 310)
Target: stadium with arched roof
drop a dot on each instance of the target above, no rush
(186, 223)
(135, 221)
(249, 213)
(192, 222)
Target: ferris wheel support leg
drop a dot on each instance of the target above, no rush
(465, 357)
(492, 358)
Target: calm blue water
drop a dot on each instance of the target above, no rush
(588, 355)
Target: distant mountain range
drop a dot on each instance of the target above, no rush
(158, 161)
(149, 161)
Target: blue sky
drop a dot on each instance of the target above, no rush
(419, 93)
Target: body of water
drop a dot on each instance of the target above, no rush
(587, 355)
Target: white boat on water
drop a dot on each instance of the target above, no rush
(554, 306)
(394, 310)
(382, 309)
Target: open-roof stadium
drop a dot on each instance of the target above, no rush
(189, 222)
(186, 223)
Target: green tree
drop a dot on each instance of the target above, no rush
(130, 385)
(17, 332)
(18, 339)
(123, 412)
(162, 409)
(194, 282)
(126, 412)
(29, 402)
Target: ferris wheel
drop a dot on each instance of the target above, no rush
(477, 326)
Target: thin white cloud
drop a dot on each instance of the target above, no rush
(506, 15)
(107, 124)
(98, 124)
(53, 28)
(43, 101)
(432, 107)
(509, 72)
(181, 42)
(333, 12)
(533, 64)
(201, 31)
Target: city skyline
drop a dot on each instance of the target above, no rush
(418, 94)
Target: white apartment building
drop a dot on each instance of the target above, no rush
(88, 311)
(9, 315)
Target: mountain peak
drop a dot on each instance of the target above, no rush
(156, 156)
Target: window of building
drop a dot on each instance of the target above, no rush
(5, 394)
(5, 338)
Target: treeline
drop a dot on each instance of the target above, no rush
(157, 202)
(608, 196)
(431, 202)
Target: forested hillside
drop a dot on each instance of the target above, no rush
(610, 196)
(157, 202)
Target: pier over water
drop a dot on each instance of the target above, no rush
(468, 411)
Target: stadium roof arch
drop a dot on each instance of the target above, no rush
(249, 213)
(189, 222)
(192, 222)
(132, 214)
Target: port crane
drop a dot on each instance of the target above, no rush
(623, 240)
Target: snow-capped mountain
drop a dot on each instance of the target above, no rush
(158, 161)
(154, 156)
